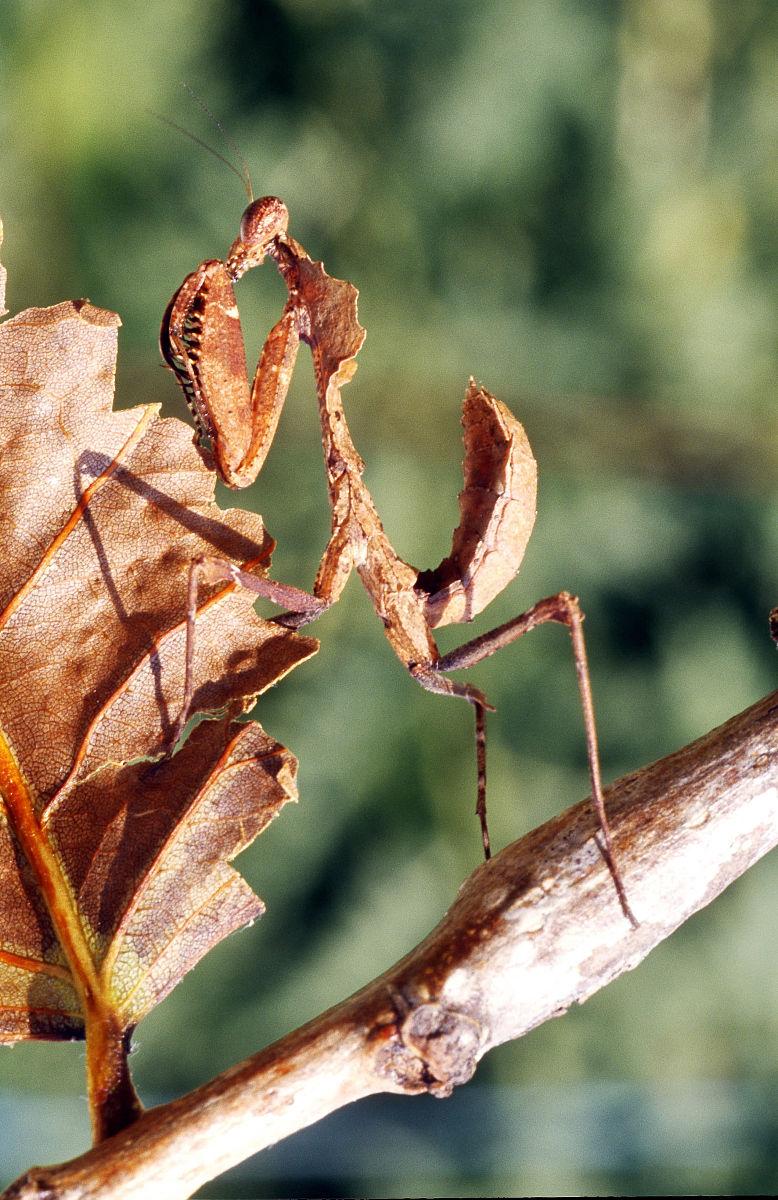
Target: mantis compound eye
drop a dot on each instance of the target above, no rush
(263, 220)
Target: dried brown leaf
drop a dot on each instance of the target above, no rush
(114, 867)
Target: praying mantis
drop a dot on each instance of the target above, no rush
(202, 342)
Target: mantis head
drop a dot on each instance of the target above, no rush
(263, 221)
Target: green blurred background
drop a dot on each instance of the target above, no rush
(576, 202)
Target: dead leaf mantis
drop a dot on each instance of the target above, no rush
(202, 341)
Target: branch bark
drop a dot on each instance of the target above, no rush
(534, 930)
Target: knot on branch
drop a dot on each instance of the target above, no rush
(435, 1049)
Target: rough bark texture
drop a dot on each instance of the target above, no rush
(531, 932)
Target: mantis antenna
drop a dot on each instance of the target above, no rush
(242, 172)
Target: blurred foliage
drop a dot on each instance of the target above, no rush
(576, 203)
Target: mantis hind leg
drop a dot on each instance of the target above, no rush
(563, 609)
(430, 678)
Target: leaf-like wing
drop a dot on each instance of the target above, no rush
(114, 863)
(497, 512)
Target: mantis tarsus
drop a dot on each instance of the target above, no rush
(202, 341)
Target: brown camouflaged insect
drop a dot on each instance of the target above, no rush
(201, 340)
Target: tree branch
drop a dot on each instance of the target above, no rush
(534, 930)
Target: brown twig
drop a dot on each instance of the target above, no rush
(532, 931)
